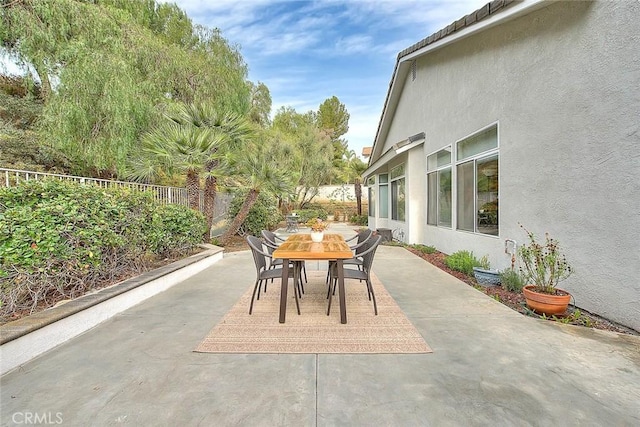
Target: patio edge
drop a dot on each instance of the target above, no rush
(29, 337)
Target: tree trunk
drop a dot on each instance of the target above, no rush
(45, 83)
(193, 190)
(251, 199)
(358, 191)
(210, 191)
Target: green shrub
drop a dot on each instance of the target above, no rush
(307, 214)
(264, 214)
(51, 220)
(424, 248)
(175, 228)
(359, 219)
(512, 280)
(59, 239)
(464, 261)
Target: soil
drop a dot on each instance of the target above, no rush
(237, 243)
(516, 301)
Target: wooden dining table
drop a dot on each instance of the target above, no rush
(300, 247)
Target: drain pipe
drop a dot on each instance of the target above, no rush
(510, 246)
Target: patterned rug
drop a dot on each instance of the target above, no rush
(313, 331)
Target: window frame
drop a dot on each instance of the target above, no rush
(436, 172)
(383, 202)
(474, 159)
(395, 180)
(371, 194)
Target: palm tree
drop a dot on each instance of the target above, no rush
(257, 170)
(177, 149)
(233, 129)
(194, 141)
(353, 171)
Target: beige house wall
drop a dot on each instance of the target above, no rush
(563, 85)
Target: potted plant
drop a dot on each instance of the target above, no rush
(543, 266)
(317, 226)
(484, 275)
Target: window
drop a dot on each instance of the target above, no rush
(439, 188)
(372, 196)
(398, 193)
(477, 182)
(384, 195)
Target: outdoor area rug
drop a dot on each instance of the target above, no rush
(313, 331)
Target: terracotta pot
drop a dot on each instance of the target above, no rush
(545, 303)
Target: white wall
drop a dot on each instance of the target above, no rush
(563, 84)
(338, 193)
(416, 191)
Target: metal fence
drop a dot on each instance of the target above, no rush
(162, 194)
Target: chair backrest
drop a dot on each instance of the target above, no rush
(258, 256)
(363, 236)
(369, 251)
(270, 236)
(270, 239)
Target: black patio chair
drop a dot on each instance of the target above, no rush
(272, 241)
(272, 237)
(361, 237)
(369, 250)
(263, 273)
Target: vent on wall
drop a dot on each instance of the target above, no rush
(414, 70)
(416, 137)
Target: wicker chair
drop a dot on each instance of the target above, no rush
(272, 241)
(263, 273)
(360, 239)
(368, 252)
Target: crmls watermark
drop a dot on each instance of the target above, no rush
(40, 418)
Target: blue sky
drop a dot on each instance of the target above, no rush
(308, 51)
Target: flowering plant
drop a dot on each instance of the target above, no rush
(317, 224)
(543, 263)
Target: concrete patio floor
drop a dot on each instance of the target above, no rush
(489, 366)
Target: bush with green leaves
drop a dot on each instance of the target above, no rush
(59, 239)
(315, 212)
(264, 214)
(464, 261)
(424, 248)
(175, 227)
(359, 219)
(512, 280)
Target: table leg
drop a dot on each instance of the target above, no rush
(343, 302)
(296, 284)
(283, 290)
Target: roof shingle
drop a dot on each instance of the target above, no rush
(470, 19)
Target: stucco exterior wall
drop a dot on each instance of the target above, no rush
(338, 193)
(563, 84)
(416, 191)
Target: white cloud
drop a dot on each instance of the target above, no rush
(354, 44)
